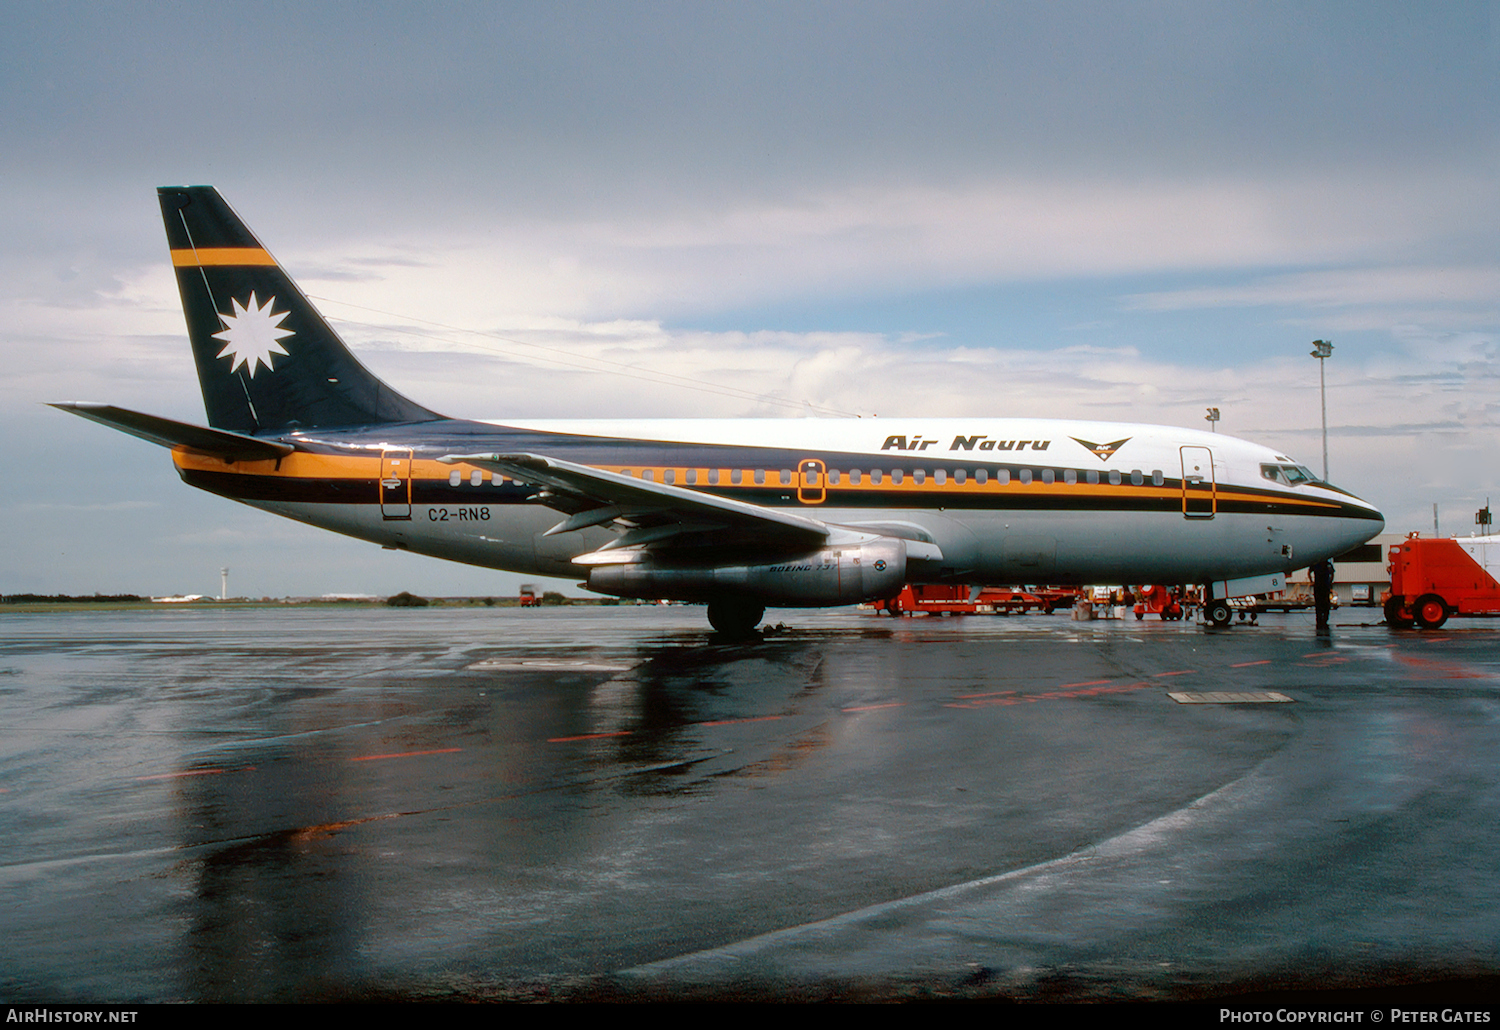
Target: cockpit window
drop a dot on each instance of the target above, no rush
(1288, 475)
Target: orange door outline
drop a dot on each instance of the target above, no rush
(395, 485)
(812, 479)
(1200, 492)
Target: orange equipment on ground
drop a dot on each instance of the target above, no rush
(1158, 600)
(1433, 579)
(940, 599)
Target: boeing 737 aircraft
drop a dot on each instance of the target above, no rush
(739, 514)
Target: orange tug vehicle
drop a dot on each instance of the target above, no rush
(1434, 579)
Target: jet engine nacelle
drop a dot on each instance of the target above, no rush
(831, 575)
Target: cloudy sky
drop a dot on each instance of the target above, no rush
(1121, 211)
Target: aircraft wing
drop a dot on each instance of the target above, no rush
(644, 512)
(167, 433)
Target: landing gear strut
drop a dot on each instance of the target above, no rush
(735, 617)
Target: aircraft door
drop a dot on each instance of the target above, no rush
(1200, 494)
(395, 485)
(811, 481)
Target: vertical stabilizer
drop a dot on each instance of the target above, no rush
(267, 360)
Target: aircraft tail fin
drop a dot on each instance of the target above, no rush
(267, 360)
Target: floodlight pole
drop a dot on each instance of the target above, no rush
(1322, 350)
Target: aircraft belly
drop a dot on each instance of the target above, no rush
(1124, 547)
(491, 536)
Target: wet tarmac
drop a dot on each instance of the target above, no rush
(585, 803)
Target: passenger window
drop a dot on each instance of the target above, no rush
(735, 476)
(940, 476)
(959, 475)
(690, 476)
(876, 475)
(896, 476)
(1002, 476)
(760, 477)
(476, 478)
(833, 477)
(1136, 477)
(1049, 476)
(1024, 475)
(647, 475)
(1093, 477)
(854, 477)
(786, 477)
(919, 476)
(1070, 476)
(981, 476)
(455, 477)
(1157, 479)
(1114, 477)
(496, 478)
(669, 476)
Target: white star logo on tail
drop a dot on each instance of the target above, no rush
(251, 335)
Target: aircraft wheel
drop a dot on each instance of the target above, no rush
(1218, 613)
(1393, 617)
(1430, 611)
(734, 617)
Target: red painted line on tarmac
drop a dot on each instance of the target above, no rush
(993, 693)
(1090, 683)
(1245, 665)
(1179, 672)
(180, 775)
(871, 708)
(1091, 691)
(1102, 687)
(732, 722)
(406, 754)
(588, 736)
(1447, 670)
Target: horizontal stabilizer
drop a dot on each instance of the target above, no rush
(167, 433)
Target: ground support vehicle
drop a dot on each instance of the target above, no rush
(1158, 600)
(1434, 579)
(940, 599)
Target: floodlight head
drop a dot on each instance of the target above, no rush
(1322, 349)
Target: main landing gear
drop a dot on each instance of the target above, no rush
(1218, 612)
(735, 617)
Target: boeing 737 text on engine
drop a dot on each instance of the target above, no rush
(739, 514)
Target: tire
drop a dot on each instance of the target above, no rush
(1218, 613)
(1393, 617)
(1430, 611)
(735, 618)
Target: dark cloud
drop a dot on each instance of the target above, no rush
(581, 102)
